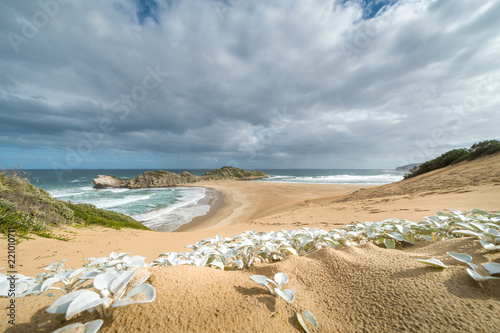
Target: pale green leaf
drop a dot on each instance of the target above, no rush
(302, 322)
(492, 267)
(480, 212)
(465, 233)
(217, 262)
(432, 262)
(281, 279)
(463, 257)
(287, 294)
(143, 293)
(473, 266)
(478, 277)
(396, 236)
(489, 246)
(409, 239)
(84, 301)
(389, 243)
(47, 284)
(90, 327)
(310, 318)
(62, 303)
(121, 281)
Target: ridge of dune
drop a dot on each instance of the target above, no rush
(363, 288)
(458, 178)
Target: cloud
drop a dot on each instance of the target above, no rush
(263, 83)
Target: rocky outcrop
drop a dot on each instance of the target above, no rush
(227, 172)
(161, 178)
(103, 181)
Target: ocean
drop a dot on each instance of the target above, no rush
(166, 209)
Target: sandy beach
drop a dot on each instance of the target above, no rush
(365, 288)
(251, 156)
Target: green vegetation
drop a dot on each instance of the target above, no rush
(455, 156)
(484, 148)
(30, 210)
(89, 214)
(232, 172)
(442, 161)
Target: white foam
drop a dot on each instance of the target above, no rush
(185, 208)
(115, 190)
(172, 217)
(108, 203)
(190, 197)
(339, 179)
(175, 218)
(87, 188)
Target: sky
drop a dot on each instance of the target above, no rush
(249, 83)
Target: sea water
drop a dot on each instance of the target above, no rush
(334, 176)
(163, 209)
(166, 209)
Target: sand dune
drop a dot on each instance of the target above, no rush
(365, 288)
(351, 289)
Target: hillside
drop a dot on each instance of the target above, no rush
(29, 209)
(458, 178)
(477, 150)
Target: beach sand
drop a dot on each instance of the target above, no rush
(365, 288)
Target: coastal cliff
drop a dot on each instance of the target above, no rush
(161, 178)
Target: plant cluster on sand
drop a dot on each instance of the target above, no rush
(492, 268)
(108, 282)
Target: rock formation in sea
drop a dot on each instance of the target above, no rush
(162, 178)
(109, 181)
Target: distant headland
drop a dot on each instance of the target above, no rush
(162, 178)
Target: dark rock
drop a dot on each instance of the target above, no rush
(161, 178)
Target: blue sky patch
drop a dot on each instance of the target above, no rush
(145, 9)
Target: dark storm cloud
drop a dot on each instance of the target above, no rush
(263, 83)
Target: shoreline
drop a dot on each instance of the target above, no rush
(245, 201)
(216, 202)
